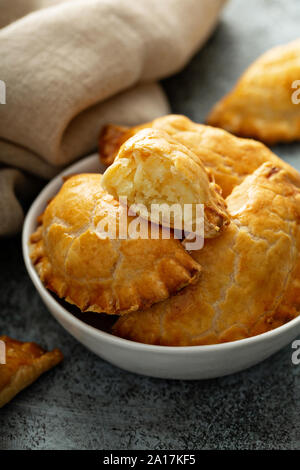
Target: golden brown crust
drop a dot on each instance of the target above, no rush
(153, 168)
(249, 281)
(111, 138)
(260, 105)
(25, 362)
(75, 260)
(228, 158)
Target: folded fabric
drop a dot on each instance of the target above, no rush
(73, 65)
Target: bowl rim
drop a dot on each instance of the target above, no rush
(30, 220)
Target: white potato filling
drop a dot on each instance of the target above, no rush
(151, 180)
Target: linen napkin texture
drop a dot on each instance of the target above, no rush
(70, 66)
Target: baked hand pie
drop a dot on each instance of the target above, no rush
(77, 255)
(25, 362)
(229, 159)
(154, 170)
(261, 105)
(250, 280)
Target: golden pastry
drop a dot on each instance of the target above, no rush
(110, 139)
(25, 362)
(250, 278)
(228, 158)
(76, 259)
(261, 105)
(152, 168)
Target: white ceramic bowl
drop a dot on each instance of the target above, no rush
(190, 362)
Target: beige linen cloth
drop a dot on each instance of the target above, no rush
(70, 66)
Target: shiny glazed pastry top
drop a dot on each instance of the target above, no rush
(261, 104)
(229, 159)
(76, 259)
(250, 281)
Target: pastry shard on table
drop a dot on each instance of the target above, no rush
(153, 168)
(248, 284)
(25, 362)
(261, 104)
(113, 274)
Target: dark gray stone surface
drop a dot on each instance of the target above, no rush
(86, 403)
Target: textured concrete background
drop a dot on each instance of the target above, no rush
(88, 404)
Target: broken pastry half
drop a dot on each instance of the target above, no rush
(251, 273)
(25, 362)
(229, 159)
(87, 251)
(167, 184)
(261, 104)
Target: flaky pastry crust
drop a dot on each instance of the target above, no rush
(110, 139)
(250, 279)
(260, 105)
(25, 362)
(229, 159)
(153, 168)
(76, 260)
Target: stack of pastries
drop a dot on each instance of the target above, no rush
(244, 281)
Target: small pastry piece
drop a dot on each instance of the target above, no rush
(248, 284)
(81, 253)
(260, 105)
(25, 362)
(228, 159)
(110, 139)
(153, 168)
